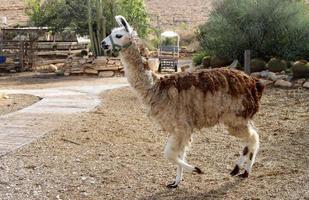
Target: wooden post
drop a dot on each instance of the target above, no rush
(247, 61)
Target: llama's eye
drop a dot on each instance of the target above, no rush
(119, 36)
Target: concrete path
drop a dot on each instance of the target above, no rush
(24, 126)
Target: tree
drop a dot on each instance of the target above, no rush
(88, 17)
(267, 27)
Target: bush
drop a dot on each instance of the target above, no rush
(277, 65)
(206, 61)
(218, 61)
(268, 27)
(300, 69)
(257, 65)
(198, 58)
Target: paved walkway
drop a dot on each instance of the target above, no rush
(24, 126)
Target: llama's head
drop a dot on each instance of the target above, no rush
(120, 37)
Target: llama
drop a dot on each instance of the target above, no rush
(188, 101)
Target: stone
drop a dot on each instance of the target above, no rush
(106, 74)
(266, 82)
(266, 74)
(283, 83)
(275, 77)
(101, 60)
(91, 71)
(66, 73)
(256, 74)
(306, 85)
(52, 68)
(300, 81)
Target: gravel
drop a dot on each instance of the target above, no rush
(16, 102)
(115, 152)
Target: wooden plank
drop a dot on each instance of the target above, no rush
(48, 62)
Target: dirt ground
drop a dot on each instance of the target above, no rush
(34, 80)
(116, 152)
(16, 102)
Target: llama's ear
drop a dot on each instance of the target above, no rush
(123, 22)
(118, 20)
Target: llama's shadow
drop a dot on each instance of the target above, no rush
(180, 194)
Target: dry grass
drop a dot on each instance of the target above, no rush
(115, 152)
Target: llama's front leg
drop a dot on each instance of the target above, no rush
(175, 152)
(179, 172)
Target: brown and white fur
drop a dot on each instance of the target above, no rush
(186, 101)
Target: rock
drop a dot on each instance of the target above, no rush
(256, 74)
(106, 74)
(101, 60)
(60, 65)
(275, 77)
(283, 83)
(91, 71)
(66, 73)
(299, 83)
(266, 74)
(3, 96)
(52, 68)
(306, 85)
(266, 82)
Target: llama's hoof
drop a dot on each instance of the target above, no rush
(172, 185)
(244, 175)
(235, 171)
(197, 170)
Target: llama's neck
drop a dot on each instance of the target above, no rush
(138, 76)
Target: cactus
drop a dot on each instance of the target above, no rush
(277, 65)
(300, 69)
(97, 29)
(257, 65)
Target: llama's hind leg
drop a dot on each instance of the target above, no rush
(253, 146)
(250, 136)
(240, 162)
(175, 152)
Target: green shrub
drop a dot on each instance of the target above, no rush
(206, 61)
(277, 65)
(267, 27)
(257, 65)
(198, 58)
(300, 69)
(219, 61)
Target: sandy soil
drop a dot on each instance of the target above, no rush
(16, 102)
(115, 152)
